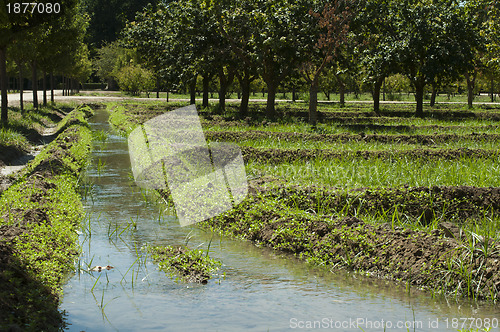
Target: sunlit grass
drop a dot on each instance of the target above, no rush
(352, 146)
(410, 127)
(8, 137)
(377, 172)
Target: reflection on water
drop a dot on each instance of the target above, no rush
(256, 289)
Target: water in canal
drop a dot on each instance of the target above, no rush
(255, 290)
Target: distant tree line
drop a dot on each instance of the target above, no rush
(429, 44)
(311, 46)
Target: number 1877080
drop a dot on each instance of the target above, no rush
(33, 8)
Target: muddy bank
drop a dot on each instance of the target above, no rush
(278, 156)
(39, 217)
(441, 260)
(238, 136)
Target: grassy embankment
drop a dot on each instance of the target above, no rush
(39, 217)
(387, 194)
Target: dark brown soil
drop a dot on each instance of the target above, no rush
(363, 126)
(279, 156)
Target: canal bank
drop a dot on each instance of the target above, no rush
(39, 217)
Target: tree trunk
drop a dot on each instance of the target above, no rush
(271, 97)
(222, 93)
(52, 87)
(35, 84)
(245, 97)
(192, 91)
(383, 91)
(294, 96)
(419, 98)
(492, 89)
(471, 82)
(206, 83)
(245, 82)
(157, 88)
(21, 88)
(313, 102)
(327, 95)
(342, 93)
(3, 84)
(433, 95)
(44, 89)
(224, 82)
(376, 94)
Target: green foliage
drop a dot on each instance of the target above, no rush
(190, 265)
(134, 79)
(108, 18)
(110, 60)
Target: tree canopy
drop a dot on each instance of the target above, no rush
(280, 44)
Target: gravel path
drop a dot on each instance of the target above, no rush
(28, 97)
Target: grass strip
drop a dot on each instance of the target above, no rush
(393, 171)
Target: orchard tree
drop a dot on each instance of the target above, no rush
(374, 29)
(150, 34)
(235, 27)
(333, 23)
(426, 43)
(269, 35)
(491, 31)
(470, 46)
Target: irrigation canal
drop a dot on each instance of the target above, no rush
(256, 289)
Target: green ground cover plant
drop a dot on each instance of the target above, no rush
(189, 265)
(346, 142)
(39, 217)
